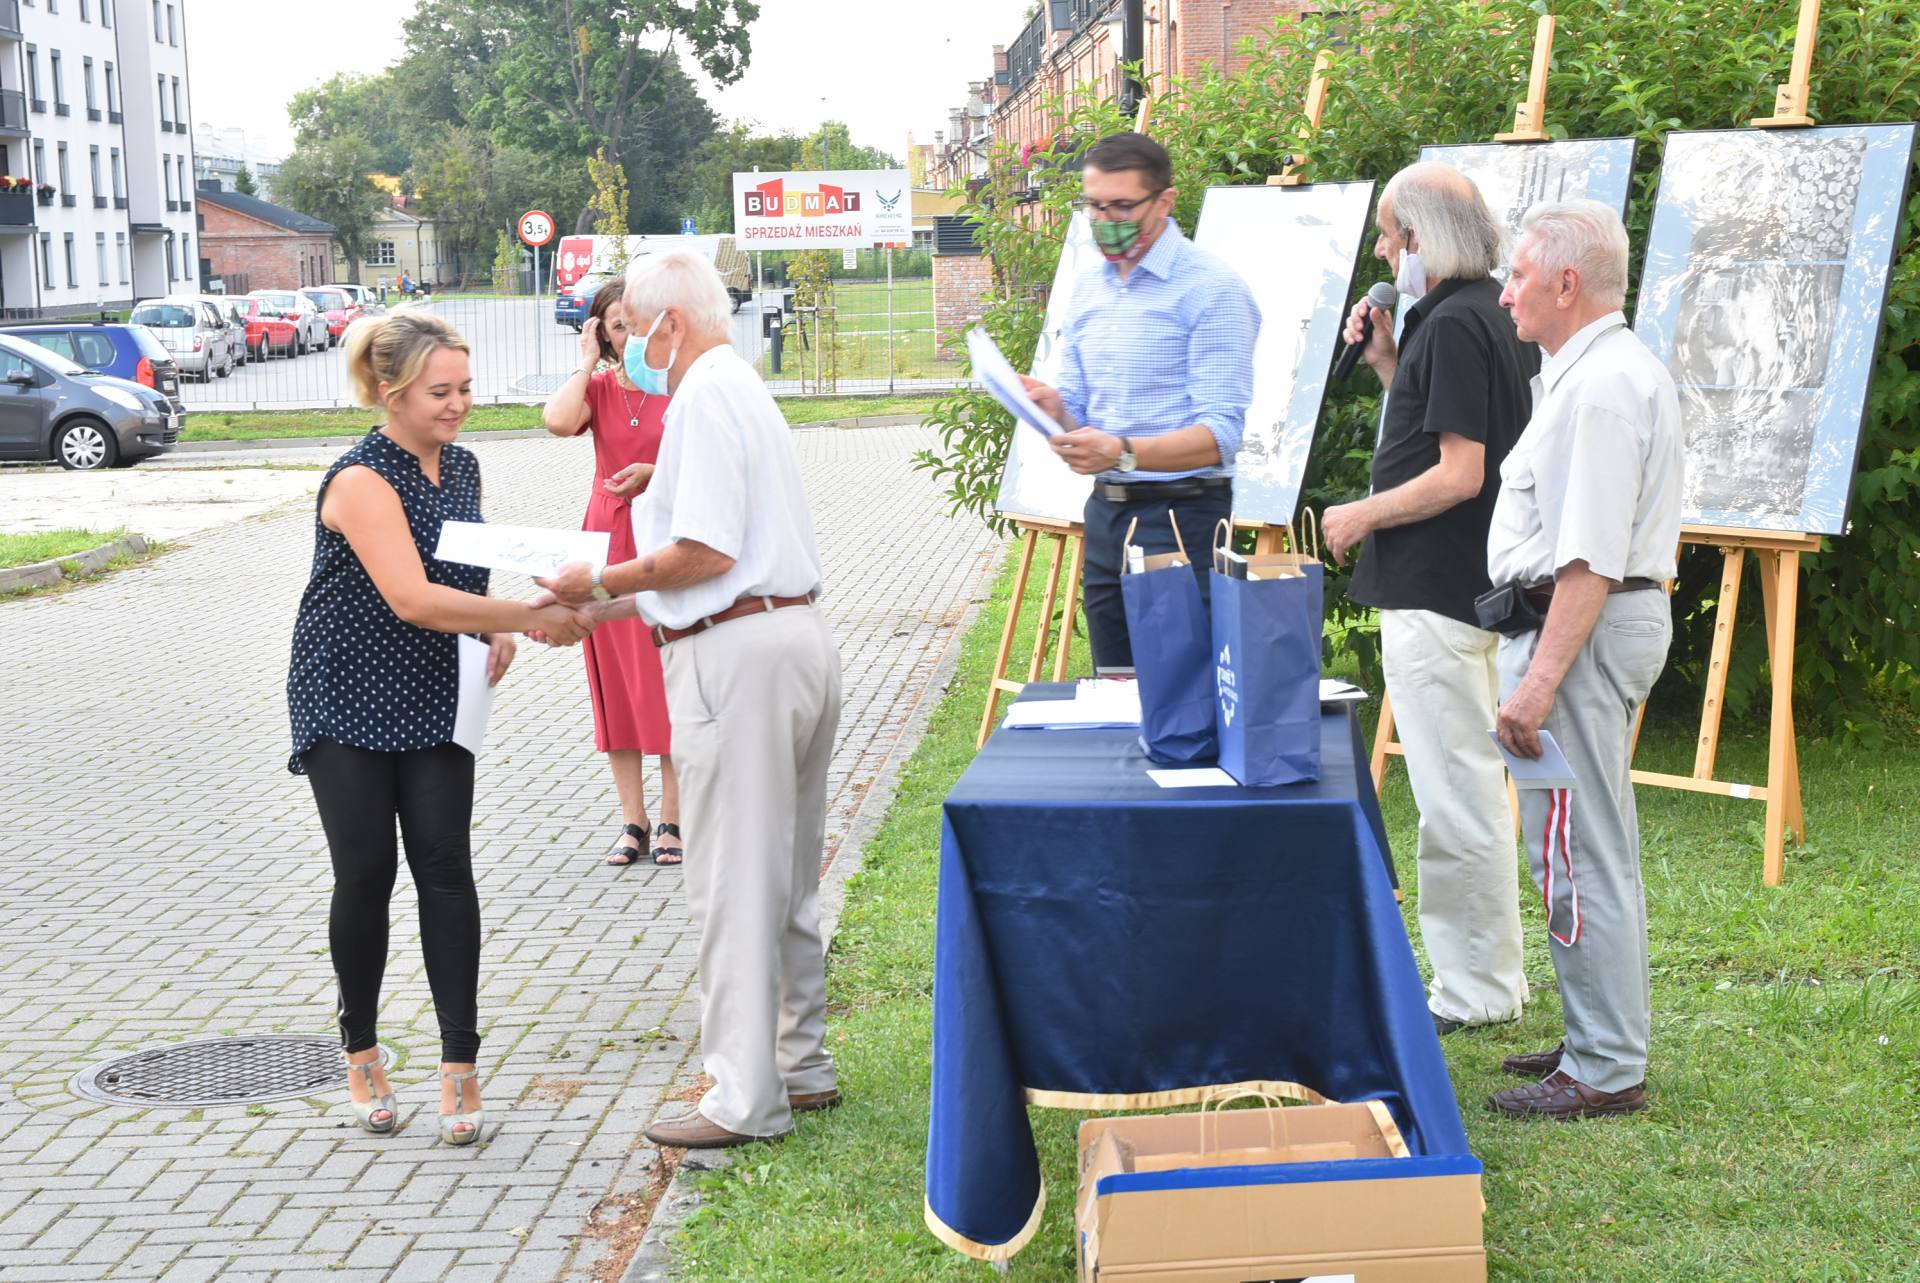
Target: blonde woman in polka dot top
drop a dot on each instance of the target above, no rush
(372, 693)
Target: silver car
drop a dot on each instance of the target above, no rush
(196, 334)
(309, 323)
(51, 408)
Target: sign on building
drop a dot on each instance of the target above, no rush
(823, 209)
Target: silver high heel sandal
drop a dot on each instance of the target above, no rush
(473, 1121)
(365, 1110)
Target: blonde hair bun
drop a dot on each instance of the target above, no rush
(393, 350)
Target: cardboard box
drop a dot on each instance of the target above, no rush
(1324, 1193)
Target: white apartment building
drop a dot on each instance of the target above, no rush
(94, 104)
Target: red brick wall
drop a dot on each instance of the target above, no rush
(271, 257)
(960, 282)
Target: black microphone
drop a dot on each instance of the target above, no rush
(1382, 296)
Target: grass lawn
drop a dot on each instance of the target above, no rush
(276, 424)
(862, 339)
(1784, 1142)
(25, 550)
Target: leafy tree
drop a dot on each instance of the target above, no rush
(506, 263)
(609, 206)
(369, 106)
(243, 181)
(327, 179)
(454, 179)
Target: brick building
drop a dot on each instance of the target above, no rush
(1070, 43)
(265, 246)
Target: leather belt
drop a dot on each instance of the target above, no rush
(1542, 596)
(739, 610)
(1157, 491)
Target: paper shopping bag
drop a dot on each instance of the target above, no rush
(1266, 665)
(1172, 645)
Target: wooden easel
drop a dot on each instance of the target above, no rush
(1069, 550)
(1529, 126)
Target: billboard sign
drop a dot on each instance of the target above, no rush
(823, 209)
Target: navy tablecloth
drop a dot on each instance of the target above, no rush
(1104, 943)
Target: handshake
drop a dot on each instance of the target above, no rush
(558, 624)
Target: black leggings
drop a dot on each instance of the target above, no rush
(360, 792)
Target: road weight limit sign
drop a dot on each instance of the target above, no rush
(536, 227)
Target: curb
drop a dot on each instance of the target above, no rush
(653, 1260)
(497, 434)
(45, 574)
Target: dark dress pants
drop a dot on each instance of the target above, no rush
(1106, 526)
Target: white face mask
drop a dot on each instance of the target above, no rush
(1411, 278)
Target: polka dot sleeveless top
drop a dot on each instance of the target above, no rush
(361, 675)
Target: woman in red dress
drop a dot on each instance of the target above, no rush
(623, 665)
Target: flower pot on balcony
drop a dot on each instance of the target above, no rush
(46, 195)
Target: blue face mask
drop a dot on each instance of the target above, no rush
(649, 380)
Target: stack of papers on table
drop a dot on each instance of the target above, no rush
(1096, 705)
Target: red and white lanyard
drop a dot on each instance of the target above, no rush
(1559, 835)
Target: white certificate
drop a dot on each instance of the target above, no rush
(475, 704)
(998, 374)
(531, 550)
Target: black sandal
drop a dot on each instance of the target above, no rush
(668, 856)
(631, 854)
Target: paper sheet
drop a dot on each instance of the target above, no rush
(531, 550)
(475, 704)
(1332, 692)
(1095, 705)
(993, 369)
(1550, 770)
(1194, 777)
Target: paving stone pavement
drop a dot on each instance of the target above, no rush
(163, 878)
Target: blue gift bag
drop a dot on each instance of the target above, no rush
(1172, 649)
(1266, 667)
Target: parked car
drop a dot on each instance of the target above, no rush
(309, 324)
(229, 313)
(53, 408)
(124, 351)
(570, 306)
(369, 300)
(334, 304)
(268, 331)
(192, 331)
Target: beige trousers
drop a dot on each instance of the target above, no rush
(755, 703)
(1444, 681)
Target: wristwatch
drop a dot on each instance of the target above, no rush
(1126, 463)
(600, 592)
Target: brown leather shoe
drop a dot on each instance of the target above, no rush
(1534, 1064)
(1562, 1099)
(697, 1131)
(807, 1101)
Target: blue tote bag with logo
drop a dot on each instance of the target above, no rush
(1172, 645)
(1267, 619)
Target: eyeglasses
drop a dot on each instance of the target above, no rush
(1115, 208)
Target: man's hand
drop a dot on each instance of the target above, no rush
(571, 583)
(1342, 527)
(1380, 352)
(1047, 397)
(629, 481)
(1087, 450)
(1521, 718)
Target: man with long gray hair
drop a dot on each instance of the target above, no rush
(728, 577)
(1457, 401)
(1584, 534)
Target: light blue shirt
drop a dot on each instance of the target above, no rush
(1166, 348)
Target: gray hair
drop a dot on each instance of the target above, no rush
(686, 280)
(1586, 236)
(1459, 238)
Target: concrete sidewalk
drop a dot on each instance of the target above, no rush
(164, 879)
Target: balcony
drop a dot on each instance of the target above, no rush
(1026, 52)
(13, 114)
(9, 19)
(16, 209)
(69, 201)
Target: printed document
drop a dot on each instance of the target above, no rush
(531, 550)
(998, 374)
(1550, 770)
(475, 702)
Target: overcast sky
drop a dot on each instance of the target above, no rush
(884, 67)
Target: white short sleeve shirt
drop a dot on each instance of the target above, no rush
(728, 477)
(1596, 476)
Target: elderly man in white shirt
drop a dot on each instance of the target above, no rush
(1584, 532)
(753, 688)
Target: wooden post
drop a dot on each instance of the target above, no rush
(1144, 116)
(1068, 547)
(1530, 118)
(1291, 175)
(1790, 99)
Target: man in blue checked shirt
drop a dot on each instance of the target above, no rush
(1158, 367)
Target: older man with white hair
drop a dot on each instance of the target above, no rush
(1583, 536)
(1458, 399)
(728, 581)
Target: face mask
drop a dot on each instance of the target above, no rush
(1411, 279)
(1117, 241)
(649, 380)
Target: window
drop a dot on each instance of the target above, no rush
(53, 6)
(186, 259)
(173, 36)
(120, 246)
(156, 21)
(163, 102)
(186, 188)
(56, 342)
(119, 185)
(86, 17)
(86, 73)
(92, 349)
(383, 255)
(73, 268)
(106, 13)
(166, 172)
(100, 252)
(179, 112)
(66, 174)
(33, 78)
(93, 163)
(113, 90)
(39, 161)
(11, 365)
(46, 260)
(59, 84)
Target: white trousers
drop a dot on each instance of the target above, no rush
(755, 703)
(1444, 681)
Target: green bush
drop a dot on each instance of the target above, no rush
(1450, 71)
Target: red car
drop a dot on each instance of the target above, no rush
(267, 331)
(340, 310)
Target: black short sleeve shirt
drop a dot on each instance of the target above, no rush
(1462, 370)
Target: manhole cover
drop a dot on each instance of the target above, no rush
(219, 1071)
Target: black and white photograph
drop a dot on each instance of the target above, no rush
(1514, 177)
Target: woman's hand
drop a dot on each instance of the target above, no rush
(590, 343)
(500, 651)
(629, 481)
(560, 625)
